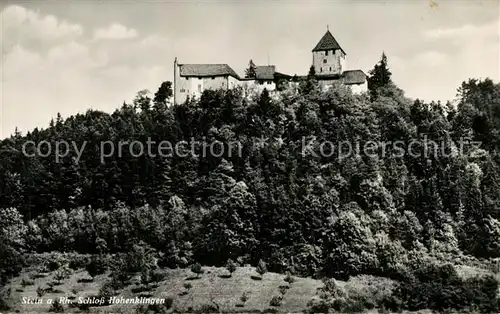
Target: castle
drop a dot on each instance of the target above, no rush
(328, 60)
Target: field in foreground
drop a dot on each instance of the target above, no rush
(189, 292)
(214, 290)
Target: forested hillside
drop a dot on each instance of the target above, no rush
(387, 213)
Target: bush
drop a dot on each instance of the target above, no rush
(289, 278)
(96, 266)
(283, 289)
(318, 305)
(188, 285)
(53, 265)
(231, 266)
(197, 269)
(208, 308)
(56, 307)
(439, 288)
(276, 300)
(146, 275)
(244, 297)
(62, 274)
(40, 292)
(108, 289)
(78, 262)
(261, 267)
(157, 276)
(5, 299)
(26, 282)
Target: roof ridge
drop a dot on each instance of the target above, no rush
(328, 42)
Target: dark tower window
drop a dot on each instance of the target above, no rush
(321, 69)
(330, 68)
(324, 61)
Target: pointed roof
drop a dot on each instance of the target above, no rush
(327, 42)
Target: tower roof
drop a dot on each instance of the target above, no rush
(327, 42)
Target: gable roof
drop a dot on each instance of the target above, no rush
(327, 42)
(204, 70)
(354, 77)
(265, 72)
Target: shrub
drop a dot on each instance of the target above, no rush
(26, 282)
(146, 276)
(84, 307)
(188, 285)
(56, 307)
(276, 300)
(197, 269)
(78, 262)
(439, 288)
(208, 308)
(318, 305)
(40, 292)
(5, 299)
(96, 266)
(231, 266)
(244, 297)
(289, 278)
(332, 288)
(261, 267)
(283, 289)
(157, 276)
(61, 274)
(108, 289)
(53, 265)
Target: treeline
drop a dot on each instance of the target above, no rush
(376, 214)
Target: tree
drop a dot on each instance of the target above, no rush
(312, 72)
(379, 76)
(231, 266)
(250, 71)
(261, 267)
(12, 233)
(164, 93)
(310, 83)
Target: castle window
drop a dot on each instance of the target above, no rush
(187, 78)
(182, 90)
(326, 53)
(213, 77)
(321, 69)
(324, 61)
(199, 88)
(330, 68)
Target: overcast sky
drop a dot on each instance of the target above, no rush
(69, 56)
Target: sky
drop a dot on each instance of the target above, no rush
(70, 56)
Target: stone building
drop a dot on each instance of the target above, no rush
(328, 60)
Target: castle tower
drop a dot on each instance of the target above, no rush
(328, 57)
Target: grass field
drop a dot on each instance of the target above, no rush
(190, 292)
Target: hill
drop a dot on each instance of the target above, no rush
(317, 183)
